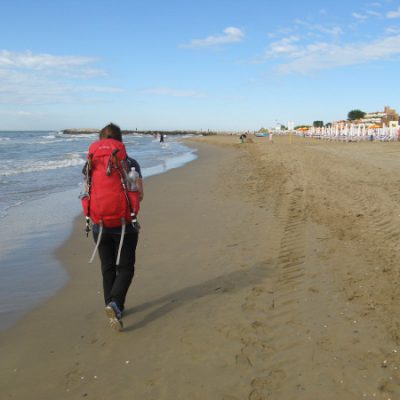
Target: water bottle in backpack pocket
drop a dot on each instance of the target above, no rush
(133, 190)
(132, 177)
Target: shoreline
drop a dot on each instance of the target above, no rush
(33, 274)
(70, 331)
(256, 278)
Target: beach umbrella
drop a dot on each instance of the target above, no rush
(364, 130)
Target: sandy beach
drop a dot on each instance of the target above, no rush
(264, 271)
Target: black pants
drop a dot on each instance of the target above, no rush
(117, 279)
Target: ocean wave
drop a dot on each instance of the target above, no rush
(39, 166)
(53, 141)
(61, 139)
(71, 139)
(189, 135)
(48, 137)
(4, 211)
(42, 142)
(169, 162)
(83, 135)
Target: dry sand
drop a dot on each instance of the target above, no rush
(264, 271)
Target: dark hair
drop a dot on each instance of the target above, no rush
(111, 131)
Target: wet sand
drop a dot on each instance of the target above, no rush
(264, 271)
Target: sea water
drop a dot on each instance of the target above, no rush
(40, 181)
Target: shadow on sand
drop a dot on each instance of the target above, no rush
(228, 283)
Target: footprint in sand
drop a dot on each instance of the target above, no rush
(264, 386)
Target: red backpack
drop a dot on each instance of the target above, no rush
(108, 202)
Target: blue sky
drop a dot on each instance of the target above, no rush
(221, 65)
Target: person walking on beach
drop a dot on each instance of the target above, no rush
(117, 245)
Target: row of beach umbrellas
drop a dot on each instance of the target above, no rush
(352, 132)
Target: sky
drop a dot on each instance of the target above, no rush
(197, 65)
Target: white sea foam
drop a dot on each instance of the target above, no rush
(80, 136)
(43, 142)
(48, 137)
(39, 165)
(70, 139)
(4, 211)
(168, 163)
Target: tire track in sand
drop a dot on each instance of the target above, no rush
(267, 347)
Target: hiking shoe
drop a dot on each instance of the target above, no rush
(115, 315)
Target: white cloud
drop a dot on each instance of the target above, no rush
(333, 30)
(101, 89)
(76, 66)
(40, 61)
(21, 114)
(393, 30)
(393, 14)
(373, 13)
(27, 78)
(365, 15)
(322, 55)
(290, 46)
(164, 91)
(24, 113)
(358, 16)
(299, 21)
(283, 46)
(230, 35)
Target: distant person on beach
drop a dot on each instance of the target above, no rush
(118, 275)
(242, 138)
(161, 138)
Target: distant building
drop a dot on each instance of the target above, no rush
(380, 117)
(387, 117)
(340, 124)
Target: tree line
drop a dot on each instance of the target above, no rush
(351, 116)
